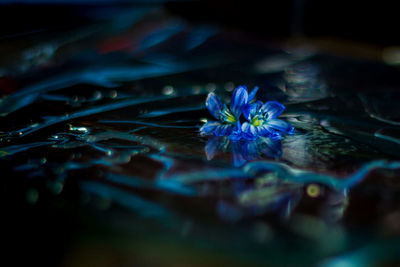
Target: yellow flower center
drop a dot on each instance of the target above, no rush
(229, 117)
(256, 122)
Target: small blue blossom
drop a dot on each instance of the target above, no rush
(228, 118)
(261, 119)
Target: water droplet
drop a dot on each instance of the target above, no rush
(97, 95)
(78, 129)
(168, 90)
(113, 94)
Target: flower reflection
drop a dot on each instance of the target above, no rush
(244, 150)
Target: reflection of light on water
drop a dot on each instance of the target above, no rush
(168, 90)
(97, 95)
(198, 36)
(279, 62)
(272, 64)
(37, 56)
(113, 94)
(321, 143)
(335, 205)
(78, 129)
(296, 150)
(302, 82)
(268, 195)
(377, 112)
(388, 135)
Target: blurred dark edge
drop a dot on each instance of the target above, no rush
(373, 22)
(366, 21)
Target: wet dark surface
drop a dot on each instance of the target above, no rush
(103, 164)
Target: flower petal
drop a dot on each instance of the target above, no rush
(214, 105)
(239, 98)
(265, 131)
(253, 94)
(281, 126)
(236, 133)
(276, 136)
(273, 109)
(209, 127)
(235, 136)
(223, 130)
(249, 131)
(249, 111)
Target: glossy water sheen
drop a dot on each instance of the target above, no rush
(113, 127)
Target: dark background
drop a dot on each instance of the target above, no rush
(373, 22)
(344, 23)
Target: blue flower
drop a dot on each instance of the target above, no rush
(261, 118)
(262, 121)
(228, 118)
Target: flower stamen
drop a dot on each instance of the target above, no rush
(256, 121)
